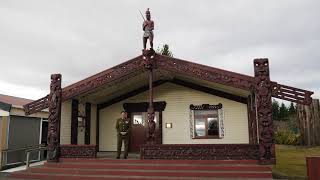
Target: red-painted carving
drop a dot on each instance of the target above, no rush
(135, 66)
(78, 151)
(200, 151)
(54, 118)
(36, 106)
(292, 94)
(264, 111)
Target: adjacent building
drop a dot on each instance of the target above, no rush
(18, 131)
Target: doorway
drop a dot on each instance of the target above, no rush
(137, 112)
(139, 131)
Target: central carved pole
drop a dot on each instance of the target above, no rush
(149, 62)
(54, 118)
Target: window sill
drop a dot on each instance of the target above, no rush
(207, 137)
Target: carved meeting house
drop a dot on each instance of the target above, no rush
(201, 112)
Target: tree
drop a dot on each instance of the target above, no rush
(292, 109)
(283, 112)
(165, 51)
(275, 110)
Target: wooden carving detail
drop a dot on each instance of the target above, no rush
(149, 59)
(78, 151)
(88, 124)
(132, 67)
(36, 106)
(149, 62)
(205, 107)
(252, 120)
(292, 94)
(264, 111)
(112, 74)
(200, 151)
(74, 121)
(143, 106)
(204, 72)
(54, 118)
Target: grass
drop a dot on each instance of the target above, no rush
(291, 160)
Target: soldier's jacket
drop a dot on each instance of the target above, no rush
(123, 125)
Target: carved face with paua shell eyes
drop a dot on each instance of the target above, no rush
(261, 68)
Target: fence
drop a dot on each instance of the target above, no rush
(309, 123)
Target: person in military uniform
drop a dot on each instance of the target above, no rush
(123, 128)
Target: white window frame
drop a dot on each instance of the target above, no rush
(220, 123)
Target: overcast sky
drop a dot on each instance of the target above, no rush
(80, 38)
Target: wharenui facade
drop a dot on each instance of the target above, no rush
(200, 112)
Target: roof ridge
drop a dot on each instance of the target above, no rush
(16, 97)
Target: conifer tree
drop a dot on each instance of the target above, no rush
(275, 110)
(165, 51)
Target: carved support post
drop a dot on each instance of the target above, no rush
(74, 121)
(263, 92)
(149, 62)
(253, 139)
(88, 123)
(54, 118)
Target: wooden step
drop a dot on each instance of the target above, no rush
(93, 169)
(86, 160)
(128, 174)
(185, 167)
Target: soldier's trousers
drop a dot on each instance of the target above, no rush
(124, 138)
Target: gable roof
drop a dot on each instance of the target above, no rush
(135, 66)
(15, 101)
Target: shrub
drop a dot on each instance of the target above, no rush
(287, 137)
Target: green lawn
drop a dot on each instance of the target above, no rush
(291, 160)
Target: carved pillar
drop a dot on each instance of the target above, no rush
(253, 139)
(88, 123)
(74, 121)
(54, 118)
(97, 128)
(263, 90)
(149, 63)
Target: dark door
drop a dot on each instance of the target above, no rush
(139, 129)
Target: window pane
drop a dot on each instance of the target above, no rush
(137, 119)
(213, 127)
(200, 126)
(201, 112)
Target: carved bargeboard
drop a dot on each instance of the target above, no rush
(132, 67)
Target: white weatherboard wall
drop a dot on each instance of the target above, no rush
(65, 126)
(178, 99)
